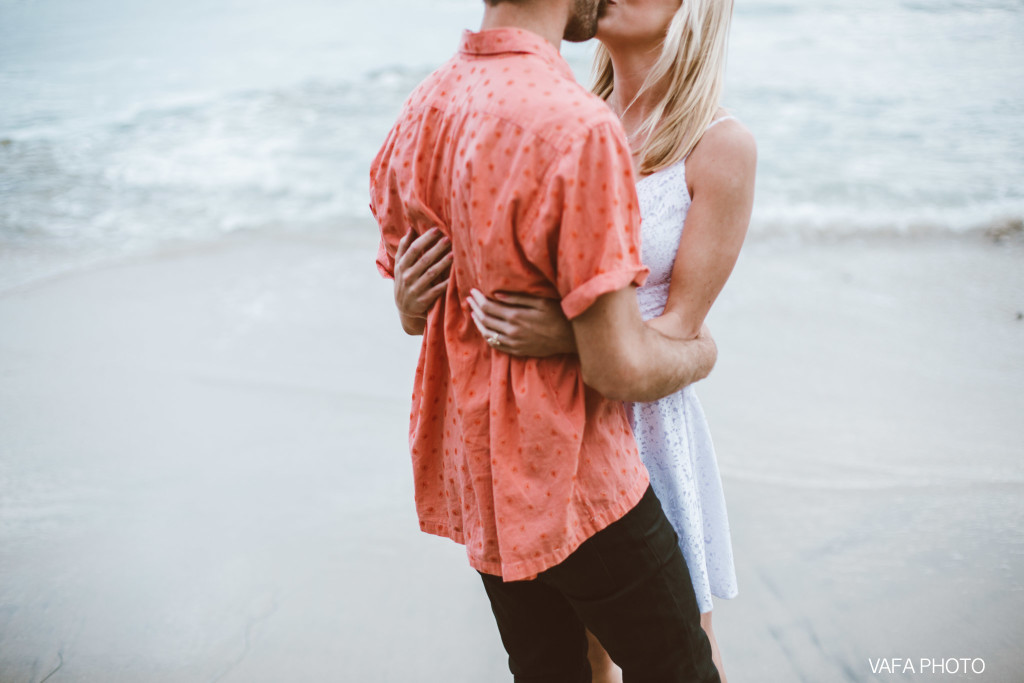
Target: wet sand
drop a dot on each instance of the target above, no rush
(203, 469)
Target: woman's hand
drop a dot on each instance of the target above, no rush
(422, 267)
(671, 324)
(522, 325)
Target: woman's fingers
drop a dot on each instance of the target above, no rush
(506, 343)
(430, 296)
(413, 262)
(439, 269)
(490, 322)
(414, 244)
(478, 315)
(484, 331)
(494, 309)
(520, 300)
(479, 303)
(403, 245)
(414, 292)
(425, 287)
(435, 254)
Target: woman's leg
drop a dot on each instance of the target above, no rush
(716, 656)
(603, 669)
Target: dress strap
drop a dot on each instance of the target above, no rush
(718, 121)
(710, 126)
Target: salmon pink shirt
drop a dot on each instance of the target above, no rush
(531, 178)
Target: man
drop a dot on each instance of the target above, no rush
(530, 463)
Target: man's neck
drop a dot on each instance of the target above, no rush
(546, 18)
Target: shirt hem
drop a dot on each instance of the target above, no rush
(525, 570)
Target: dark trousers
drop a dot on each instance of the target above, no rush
(630, 586)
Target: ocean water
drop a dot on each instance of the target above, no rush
(128, 126)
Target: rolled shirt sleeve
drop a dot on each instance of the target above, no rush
(594, 189)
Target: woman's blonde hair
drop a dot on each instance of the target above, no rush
(692, 65)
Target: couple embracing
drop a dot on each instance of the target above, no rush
(553, 430)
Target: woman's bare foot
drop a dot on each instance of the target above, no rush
(603, 669)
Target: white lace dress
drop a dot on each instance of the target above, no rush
(672, 433)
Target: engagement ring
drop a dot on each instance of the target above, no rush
(494, 340)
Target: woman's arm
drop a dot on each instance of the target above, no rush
(422, 267)
(720, 174)
(522, 325)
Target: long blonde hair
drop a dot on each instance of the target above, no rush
(692, 65)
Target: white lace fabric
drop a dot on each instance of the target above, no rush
(672, 433)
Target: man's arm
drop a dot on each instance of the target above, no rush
(625, 360)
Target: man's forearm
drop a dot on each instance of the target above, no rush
(625, 359)
(667, 365)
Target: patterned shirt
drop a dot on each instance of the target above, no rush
(531, 178)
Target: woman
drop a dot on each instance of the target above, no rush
(660, 67)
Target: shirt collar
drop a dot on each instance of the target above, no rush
(510, 40)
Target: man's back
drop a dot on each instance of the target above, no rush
(531, 179)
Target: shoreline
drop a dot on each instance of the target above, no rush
(38, 264)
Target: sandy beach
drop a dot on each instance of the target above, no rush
(204, 477)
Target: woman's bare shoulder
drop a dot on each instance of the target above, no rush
(727, 150)
(729, 136)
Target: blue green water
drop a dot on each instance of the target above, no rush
(128, 125)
